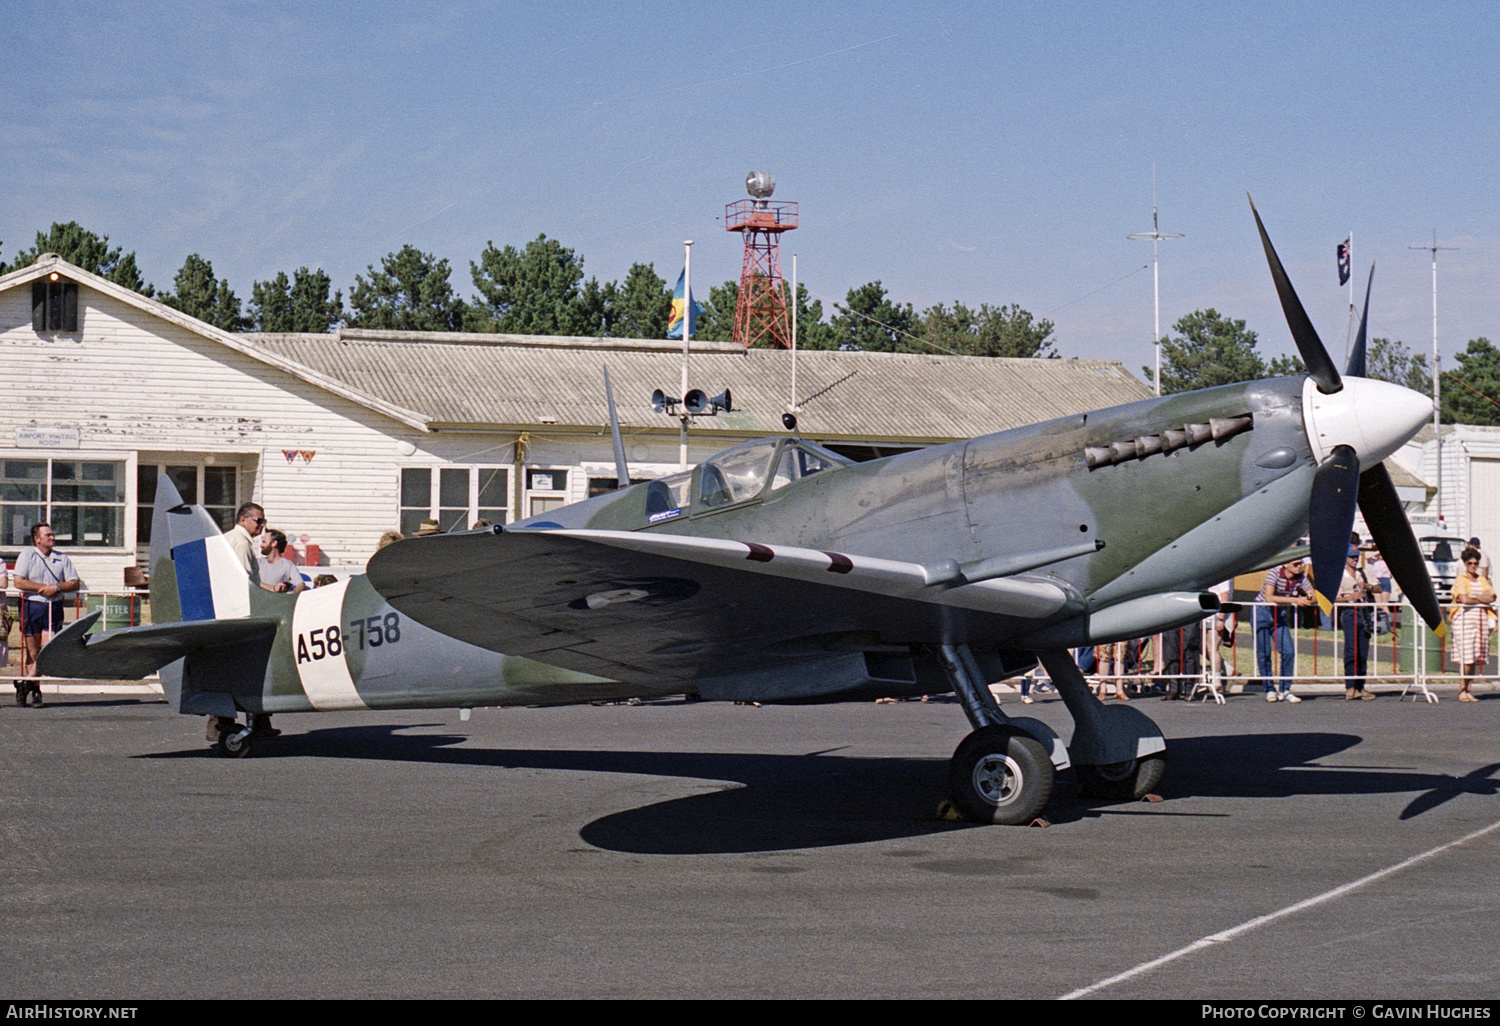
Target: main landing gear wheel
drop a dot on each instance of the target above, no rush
(1000, 775)
(235, 743)
(1124, 781)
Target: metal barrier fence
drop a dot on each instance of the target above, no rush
(126, 607)
(123, 607)
(1401, 648)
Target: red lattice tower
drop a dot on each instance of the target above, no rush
(760, 312)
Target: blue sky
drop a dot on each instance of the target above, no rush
(995, 152)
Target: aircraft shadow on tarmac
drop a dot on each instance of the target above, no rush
(766, 802)
(1275, 765)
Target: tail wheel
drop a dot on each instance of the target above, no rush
(1123, 781)
(236, 743)
(1000, 775)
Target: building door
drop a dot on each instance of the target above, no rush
(1484, 504)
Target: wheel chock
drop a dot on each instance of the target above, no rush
(948, 812)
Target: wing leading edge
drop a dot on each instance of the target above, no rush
(648, 607)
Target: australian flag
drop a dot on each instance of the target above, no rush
(1344, 261)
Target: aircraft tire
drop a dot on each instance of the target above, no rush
(1000, 775)
(1125, 781)
(233, 746)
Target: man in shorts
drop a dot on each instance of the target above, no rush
(43, 576)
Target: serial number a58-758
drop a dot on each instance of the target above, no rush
(371, 632)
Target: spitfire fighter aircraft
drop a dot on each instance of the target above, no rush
(778, 571)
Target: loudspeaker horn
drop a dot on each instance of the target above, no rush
(699, 403)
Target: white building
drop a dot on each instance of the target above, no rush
(342, 437)
(1468, 489)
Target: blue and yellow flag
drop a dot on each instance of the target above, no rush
(679, 303)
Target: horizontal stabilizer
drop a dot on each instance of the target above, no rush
(134, 652)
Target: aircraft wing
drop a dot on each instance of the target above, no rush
(648, 607)
(134, 652)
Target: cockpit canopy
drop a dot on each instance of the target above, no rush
(751, 472)
(741, 473)
(737, 475)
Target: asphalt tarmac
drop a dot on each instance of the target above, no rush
(705, 850)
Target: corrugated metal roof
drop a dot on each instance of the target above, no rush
(1403, 478)
(508, 382)
(49, 262)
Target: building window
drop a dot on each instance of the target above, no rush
(83, 500)
(215, 488)
(454, 496)
(546, 489)
(54, 307)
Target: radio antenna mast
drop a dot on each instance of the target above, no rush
(1437, 376)
(1155, 235)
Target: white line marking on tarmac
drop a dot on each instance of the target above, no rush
(1259, 921)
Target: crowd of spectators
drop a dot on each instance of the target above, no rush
(1285, 610)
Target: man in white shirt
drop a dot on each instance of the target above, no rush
(249, 521)
(43, 576)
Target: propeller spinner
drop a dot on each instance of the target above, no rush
(1353, 423)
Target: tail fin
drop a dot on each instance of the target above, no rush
(202, 638)
(194, 573)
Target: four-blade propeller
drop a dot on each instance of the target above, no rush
(1339, 486)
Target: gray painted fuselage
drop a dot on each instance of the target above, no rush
(1171, 521)
(1176, 511)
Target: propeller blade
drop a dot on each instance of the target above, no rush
(1320, 366)
(1398, 545)
(1356, 368)
(1330, 518)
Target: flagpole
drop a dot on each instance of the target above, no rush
(687, 334)
(791, 406)
(1437, 381)
(1349, 332)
